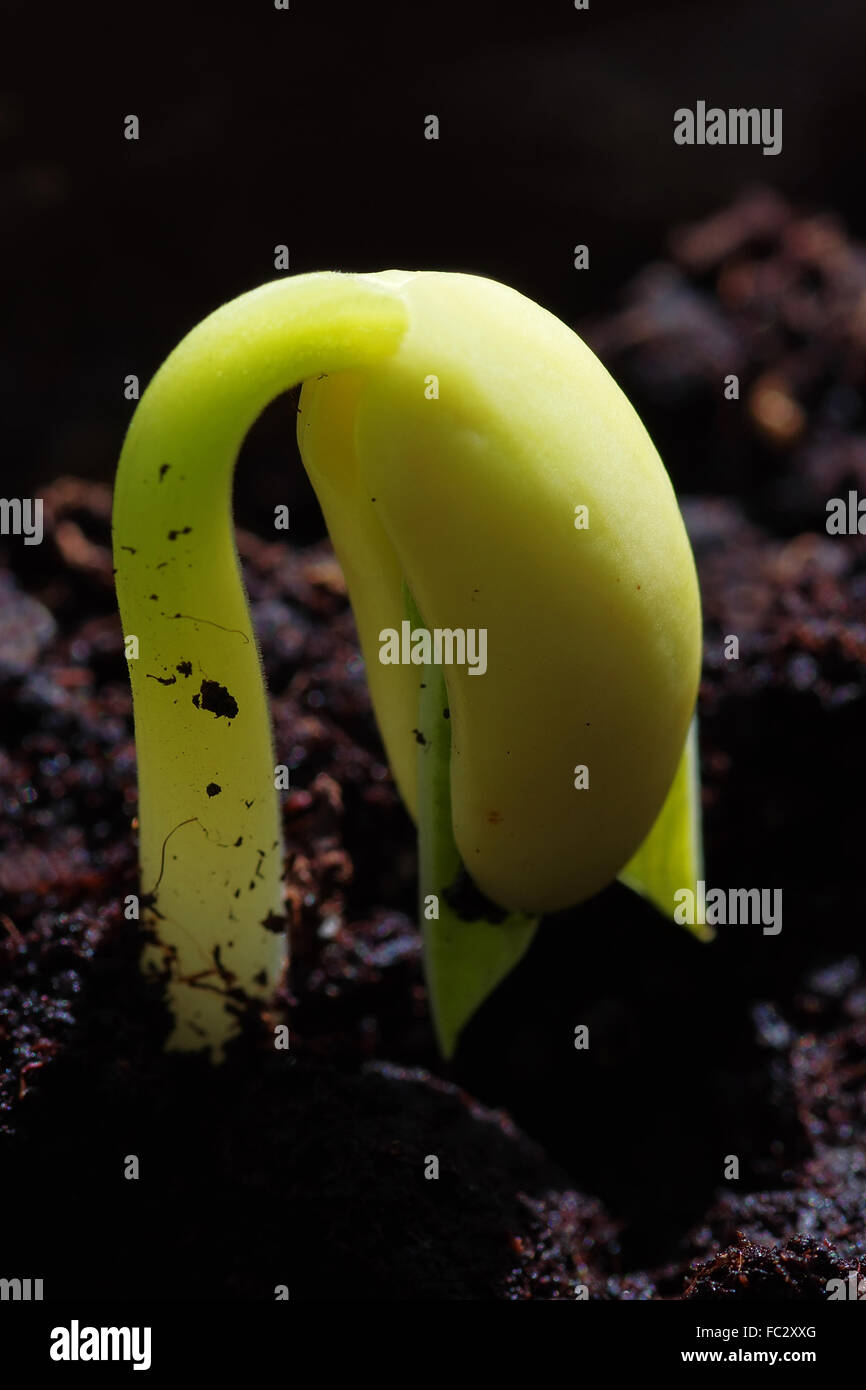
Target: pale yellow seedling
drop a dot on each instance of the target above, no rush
(476, 465)
(470, 496)
(213, 862)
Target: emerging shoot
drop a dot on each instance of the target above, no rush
(476, 465)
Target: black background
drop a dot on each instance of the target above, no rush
(306, 127)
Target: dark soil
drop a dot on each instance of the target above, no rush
(307, 1168)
